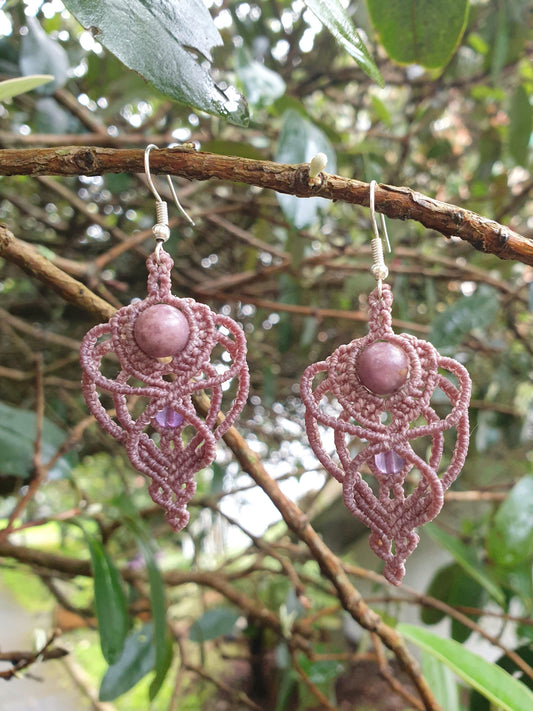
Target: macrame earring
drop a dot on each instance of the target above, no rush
(383, 384)
(164, 346)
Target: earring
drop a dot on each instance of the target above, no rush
(383, 384)
(164, 345)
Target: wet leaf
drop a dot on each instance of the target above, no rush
(332, 15)
(430, 29)
(169, 44)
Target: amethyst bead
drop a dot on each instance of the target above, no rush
(389, 462)
(382, 368)
(167, 417)
(161, 331)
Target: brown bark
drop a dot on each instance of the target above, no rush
(396, 202)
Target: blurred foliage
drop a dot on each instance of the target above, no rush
(456, 126)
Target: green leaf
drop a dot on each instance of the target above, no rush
(468, 313)
(425, 32)
(466, 558)
(159, 613)
(217, 622)
(469, 593)
(439, 588)
(136, 660)
(17, 443)
(167, 43)
(161, 640)
(332, 14)
(520, 126)
(442, 682)
(40, 54)
(20, 85)
(490, 680)
(261, 85)
(510, 539)
(299, 142)
(109, 601)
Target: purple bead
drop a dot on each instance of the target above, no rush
(382, 368)
(389, 462)
(161, 331)
(167, 417)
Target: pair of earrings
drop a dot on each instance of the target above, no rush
(381, 384)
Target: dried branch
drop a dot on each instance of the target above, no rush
(396, 202)
(23, 660)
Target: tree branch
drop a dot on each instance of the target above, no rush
(396, 202)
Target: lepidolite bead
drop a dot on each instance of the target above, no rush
(389, 462)
(382, 368)
(161, 331)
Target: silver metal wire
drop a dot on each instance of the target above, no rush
(379, 269)
(151, 184)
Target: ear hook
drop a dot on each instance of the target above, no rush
(159, 200)
(379, 268)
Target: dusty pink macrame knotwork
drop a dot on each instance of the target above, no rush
(386, 426)
(168, 389)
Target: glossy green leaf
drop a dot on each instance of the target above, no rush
(425, 32)
(510, 539)
(261, 85)
(109, 602)
(299, 142)
(494, 683)
(216, 622)
(332, 15)
(137, 660)
(169, 44)
(468, 313)
(466, 558)
(521, 118)
(20, 85)
(17, 443)
(467, 592)
(40, 54)
(442, 682)
(452, 585)
(439, 588)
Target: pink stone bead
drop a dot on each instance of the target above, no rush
(389, 462)
(382, 368)
(161, 331)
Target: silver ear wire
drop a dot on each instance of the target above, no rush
(161, 229)
(379, 269)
